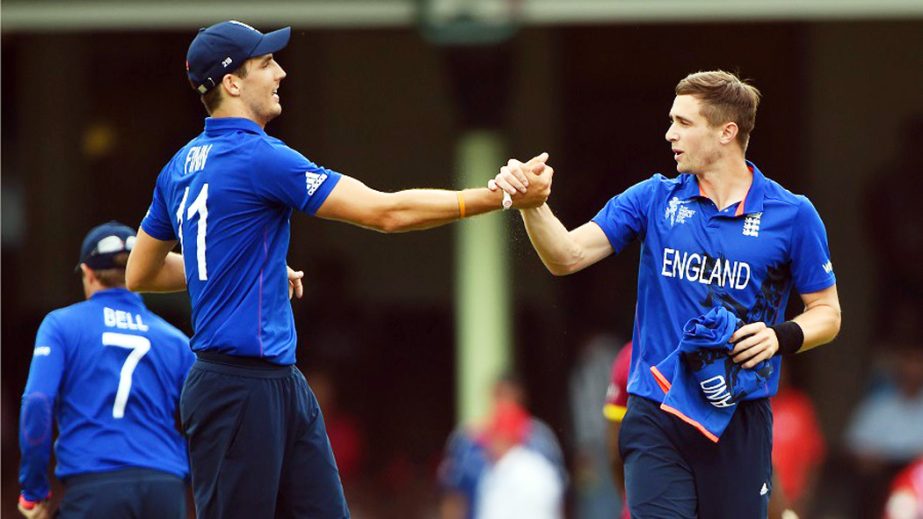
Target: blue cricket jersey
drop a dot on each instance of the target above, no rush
(110, 372)
(694, 257)
(227, 196)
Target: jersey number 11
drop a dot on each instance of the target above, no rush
(197, 207)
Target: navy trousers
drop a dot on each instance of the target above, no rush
(257, 443)
(673, 471)
(124, 494)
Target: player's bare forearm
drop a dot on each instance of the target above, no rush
(564, 252)
(551, 240)
(820, 320)
(418, 209)
(170, 277)
(820, 323)
(152, 267)
(353, 202)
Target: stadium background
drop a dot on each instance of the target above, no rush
(94, 104)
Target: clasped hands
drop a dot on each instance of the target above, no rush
(528, 184)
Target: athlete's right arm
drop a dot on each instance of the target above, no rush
(564, 252)
(417, 209)
(152, 267)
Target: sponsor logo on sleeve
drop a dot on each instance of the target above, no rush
(828, 267)
(42, 351)
(314, 181)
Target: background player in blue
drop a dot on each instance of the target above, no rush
(257, 442)
(719, 234)
(110, 372)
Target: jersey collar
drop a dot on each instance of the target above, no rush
(117, 293)
(752, 202)
(230, 124)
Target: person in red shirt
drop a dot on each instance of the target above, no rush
(798, 447)
(614, 411)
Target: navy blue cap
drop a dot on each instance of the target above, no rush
(224, 47)
(104, 242)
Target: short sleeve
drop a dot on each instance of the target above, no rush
(286, 177)
(48, 358)
(157, 221)
(812, 269)
(624, 217)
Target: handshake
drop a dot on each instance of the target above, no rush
(524, 185)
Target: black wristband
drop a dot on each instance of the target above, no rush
(790, 335)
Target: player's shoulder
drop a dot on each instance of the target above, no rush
(667, 186)
(175, 167)
(272, 151)
(660, 181)
(73, 313)
(776, 192)
(656, 185)
(180, 156)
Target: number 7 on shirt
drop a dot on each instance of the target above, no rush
(139, 347)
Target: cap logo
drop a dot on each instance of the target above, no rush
(227, 61)
(111, 244)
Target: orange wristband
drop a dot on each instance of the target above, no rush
(461, 204)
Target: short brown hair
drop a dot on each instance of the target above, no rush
(726, 98)
(212, 99)
(114, 277)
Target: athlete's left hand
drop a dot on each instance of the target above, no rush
(754, 343)
(294, 282)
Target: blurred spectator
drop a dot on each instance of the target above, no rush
(798, 447)
(595, 489)
(906, 498)
(519, 481)
(614, 410)
(888, 425)
(343, 428)
(886, 430)
(466, 458)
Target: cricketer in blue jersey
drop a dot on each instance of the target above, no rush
(227, 197)
(109, 372)
(718, 234)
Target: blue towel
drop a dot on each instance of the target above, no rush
(703, 384)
